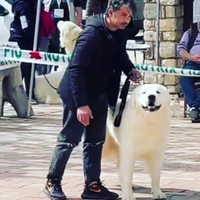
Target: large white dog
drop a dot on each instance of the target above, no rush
(142, 134)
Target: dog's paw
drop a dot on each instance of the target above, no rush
(128, 197)
(158, 194)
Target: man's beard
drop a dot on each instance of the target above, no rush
(123, 25)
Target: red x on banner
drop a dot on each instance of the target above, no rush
(35, 54)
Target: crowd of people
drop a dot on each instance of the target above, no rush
(22, 30)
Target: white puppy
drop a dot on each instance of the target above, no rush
(142, 134)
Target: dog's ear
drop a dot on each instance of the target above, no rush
(132, 99)
(134, 96)
(60, 25)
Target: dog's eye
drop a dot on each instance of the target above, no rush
(144, 93)
(157, 92)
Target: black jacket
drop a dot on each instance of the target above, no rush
(96, 65)
(25, 8)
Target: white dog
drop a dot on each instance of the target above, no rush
(69, 33)
(142, 134)
(44, 93)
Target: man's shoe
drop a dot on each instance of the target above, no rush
(34, 102)
(53, 189)
(95, 190)
(194, 113)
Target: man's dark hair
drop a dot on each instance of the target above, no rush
(115, 5)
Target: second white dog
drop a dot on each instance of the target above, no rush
(143, 134)
(44, 92)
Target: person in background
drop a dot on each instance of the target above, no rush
(47, 28)
(189, 51)
(60, 11)
(22, 31)
(91, 83)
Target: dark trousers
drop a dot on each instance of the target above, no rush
(26, 67)
(188, 87)
(54, 42)
(93, 139)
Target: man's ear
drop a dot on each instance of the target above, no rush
(110, 12)
(134, 96)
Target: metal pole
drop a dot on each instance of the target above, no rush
(37, 21)
(157, 36)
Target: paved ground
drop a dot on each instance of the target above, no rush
(26, 146)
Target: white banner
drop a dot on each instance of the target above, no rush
(16, 54)
(167, 70)
(37, 57)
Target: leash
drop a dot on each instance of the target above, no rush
(123, 97)
(62, 52)
(47, 80)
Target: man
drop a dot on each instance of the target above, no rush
(22, 31)
(189, 51)
(90, 83)
(94, 7)
(60, 11)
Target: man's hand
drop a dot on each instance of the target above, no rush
(135, 75)
(84, 114)
(195, 58)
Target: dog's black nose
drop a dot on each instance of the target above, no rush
(151, 99)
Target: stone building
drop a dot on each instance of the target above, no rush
(175, 18)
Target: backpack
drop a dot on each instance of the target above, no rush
(193, 32)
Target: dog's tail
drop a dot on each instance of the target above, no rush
(110, 149)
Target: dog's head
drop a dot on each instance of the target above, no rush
(150, 98)
(69, 33)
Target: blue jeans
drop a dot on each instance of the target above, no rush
(188, 86)
(93, 139)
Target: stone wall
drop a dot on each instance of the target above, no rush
(171, 22)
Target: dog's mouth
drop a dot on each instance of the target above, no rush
(151, 108)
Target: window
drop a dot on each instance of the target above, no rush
(10, 1)
(3, 11)
(196, 10)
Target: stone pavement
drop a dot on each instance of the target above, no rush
(26, 146)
